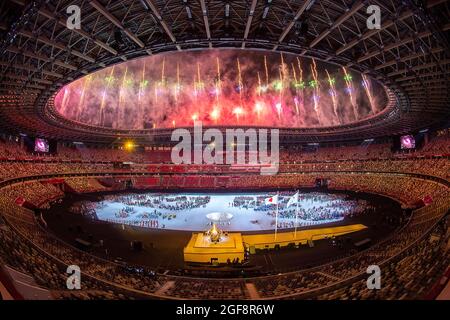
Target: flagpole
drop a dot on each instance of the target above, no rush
(276, 219)
(296, 218)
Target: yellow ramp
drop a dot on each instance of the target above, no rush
(268, 240)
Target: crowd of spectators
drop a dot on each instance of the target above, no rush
(431, 160)
(47, 256)
(36, 193)
(83, 185)
(411, 258)
(437, 146)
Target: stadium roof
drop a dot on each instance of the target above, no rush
(39, 54)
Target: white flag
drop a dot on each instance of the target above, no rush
(293, 200)
(271, 200)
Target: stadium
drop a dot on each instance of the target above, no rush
(224, 150)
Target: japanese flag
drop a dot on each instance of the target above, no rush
(271, 200)
(293, 200)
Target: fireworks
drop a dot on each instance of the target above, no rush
(367, 88)
(240, 83)
(142, 84)
(215, 114)
(348, 80)
(333, 94)
(267, 71)
(177, 87)
(65, 99)
(299, 86)
(219, 89)
(315, 85)
(200, 85)
(258, 108)
(278, 85)
(238, 111)
(279, 109)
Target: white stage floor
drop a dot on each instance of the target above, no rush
(243, 219)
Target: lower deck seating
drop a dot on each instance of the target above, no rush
(413, 256)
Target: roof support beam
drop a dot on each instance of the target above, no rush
(421, 75)
(81, 32)
(393, 45)
(29, 54)
(249, 21)
(409, 57)
(206, 21)
(57, 45)
(433, 3)
(418, 67)
(31, 69)
(116, 22)
(373, 32)
(356, 6)
(298, 14)
(29, 91)
(387, 24)
(163, 24)
(41, 57)
(65, 65)
(19, 2)
(18, 84)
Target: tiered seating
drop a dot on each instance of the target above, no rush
(85, 160)
(33, 192)
(85, 185)
(278, 181)
(296, 284)
(411, 258)
(208, 181)
(11, 149)
(438, 146)
(146, 182)
(191, 181)
(391, 187)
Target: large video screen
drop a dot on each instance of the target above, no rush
(407, 142)
(41, 145)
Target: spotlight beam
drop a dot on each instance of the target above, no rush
(116, 22)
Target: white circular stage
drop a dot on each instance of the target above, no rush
(233, 211)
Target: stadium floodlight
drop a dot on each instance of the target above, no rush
(129, 145)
